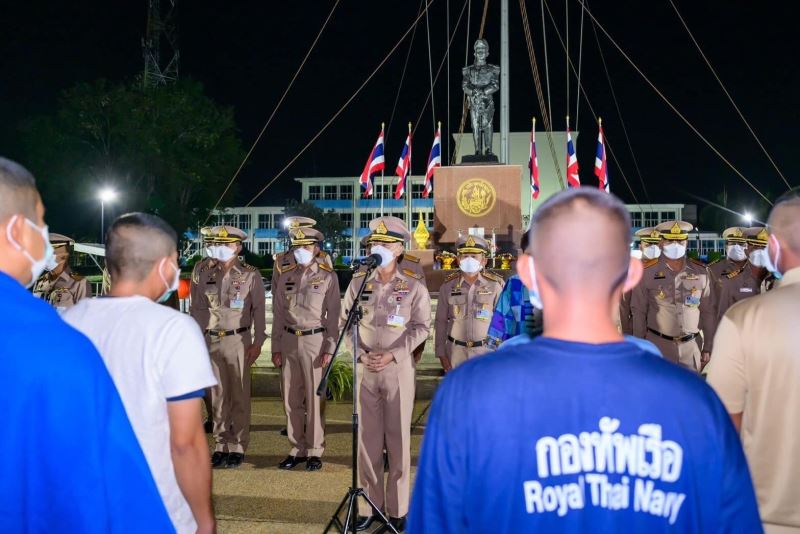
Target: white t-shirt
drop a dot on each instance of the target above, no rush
(153, 353)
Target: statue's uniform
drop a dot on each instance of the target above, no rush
(463, 315)
(62, 291)
(228, 304)
(305, 307)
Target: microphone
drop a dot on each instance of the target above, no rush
(373, 260)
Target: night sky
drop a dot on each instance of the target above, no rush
(246, 52)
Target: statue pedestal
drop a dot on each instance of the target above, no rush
(482, 197)
(479, 159)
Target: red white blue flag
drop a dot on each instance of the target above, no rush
(600, 163)
(434, 160)
(403, 167)
(375, 164)
(573, 179)
(533, 164)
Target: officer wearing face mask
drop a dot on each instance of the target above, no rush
(230, 308)
(59, 286)
(305, 307)
(467, 300)
(757, 240)
(675, 301)
(649, 238)
(396, 319)
(285, 261)
(735, 277)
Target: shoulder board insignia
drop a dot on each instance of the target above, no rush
(412, 274)
(409, 257)
(287, 269)
(650, 263)
(715, 261)
(359, 274)
(324, 267)
(322, 254)
(493, 276)
(248, 267)
(697, 262)
(452, 276)
(75, 276)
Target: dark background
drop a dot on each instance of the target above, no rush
(246, 52)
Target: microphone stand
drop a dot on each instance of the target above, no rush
(350, 500)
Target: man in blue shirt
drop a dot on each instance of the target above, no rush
(578, 430)
(59, 476)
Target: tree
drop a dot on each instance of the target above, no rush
(328, 222)
(168, 150)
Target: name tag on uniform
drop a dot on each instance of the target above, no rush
(237, 304)
(396, 321)
(483, 315)
(659, 276)
(745, 290)
(693, 299)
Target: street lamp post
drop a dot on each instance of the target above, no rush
(105, 195)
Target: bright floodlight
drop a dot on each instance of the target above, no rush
(286, 223)
(107, 195)
(748, 217)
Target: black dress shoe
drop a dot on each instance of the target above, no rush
(363, 522)
(234, 460)
(314, 463)
(284, 432)
(219, 459)
(291, 462)
(399, 523)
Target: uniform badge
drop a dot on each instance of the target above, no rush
(692, 276)
(693, 299)
(661, 294)
(659, 275)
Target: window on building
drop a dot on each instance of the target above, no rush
(347, 219)
(346, 192)
(636, 219)
(400, 215)
(427, 218)
(364, 219)
(314, 192)
(244, 221)
(264, 220)
(265, 248)
(228, 219)
(331, 192)
(416, 190)
(651, 218)
(667, 216)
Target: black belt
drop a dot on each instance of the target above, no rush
(299, 333)
(469, 344)
(223, 333)
(676, 339)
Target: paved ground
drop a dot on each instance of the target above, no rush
(259, 498)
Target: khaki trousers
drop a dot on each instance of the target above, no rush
(386, 402)
(230, 398)
(301, 374)
(459, 354)
(686, 354)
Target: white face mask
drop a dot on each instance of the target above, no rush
(171, 288)
(674, 251)
(223, 253)
(51, 264)
(470, 265)
(303, 256)
(209, 250)
(533, 292)
(651, 252)
(736, 253)
(758, 258)
(773, 266)
(37, 266)
(387, 256)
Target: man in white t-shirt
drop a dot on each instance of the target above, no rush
(159, 362)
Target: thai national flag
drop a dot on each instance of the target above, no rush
(434, 160)
(375, 164)
(533, 164)
(573, 179)
(600, 164)
(403, 168)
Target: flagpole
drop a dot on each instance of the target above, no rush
(408, 185)
(530, 196)
(382, 172)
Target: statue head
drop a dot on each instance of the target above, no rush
(481, 48)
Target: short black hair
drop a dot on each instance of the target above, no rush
(524, 240)
(18, 192)
(134, 242)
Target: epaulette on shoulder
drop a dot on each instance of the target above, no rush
(249, 267)
(322, 254)
(409, 257)
(286, 269)
(324, 267)
(493, 276)
(412, 274)
(359, 274)
(452, 276)
(698, 262)
(650, 263)
(75, 276)
(709, 264)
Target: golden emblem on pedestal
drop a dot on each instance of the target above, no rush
(476, 197)
(505, 260)
(421, 234)
(447, 259)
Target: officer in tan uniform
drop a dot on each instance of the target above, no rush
(229, 306)
(735, 258)
(396, 319)
(59, 285)
(675, 301)
(285, 261)
(736, 279)
(649, 238)
(757, 238)
(305, 326)
(467, 300)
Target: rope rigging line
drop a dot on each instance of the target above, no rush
(447, 128)
(464, 107)
(566, 15)
(344, 106)
(430, 65)
(582, 90)
(539, 93)
(546, 63)
(670, 104)
(274, 111)
(727, 93)
(619, 115)
(580, 63)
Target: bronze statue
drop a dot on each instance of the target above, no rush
(481, 81)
